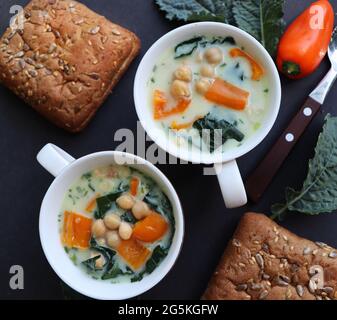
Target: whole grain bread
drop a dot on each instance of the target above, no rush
(65, 61)
(266, 261)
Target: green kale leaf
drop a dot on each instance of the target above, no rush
(216, 132)
(319, 190)
(197, 10)
(263, 19)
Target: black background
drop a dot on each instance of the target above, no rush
(209, 225)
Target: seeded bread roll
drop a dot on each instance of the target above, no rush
(65, 61)
(266, 261)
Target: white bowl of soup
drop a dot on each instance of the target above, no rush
(111, 224)
(208, 93)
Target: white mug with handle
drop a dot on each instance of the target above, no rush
(66, 170)
(226, 168)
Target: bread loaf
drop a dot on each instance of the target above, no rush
(65, 61)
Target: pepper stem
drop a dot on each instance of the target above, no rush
(291, 68)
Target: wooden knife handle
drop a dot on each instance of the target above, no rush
(260, 179)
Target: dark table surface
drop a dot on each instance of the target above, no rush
(209, 225)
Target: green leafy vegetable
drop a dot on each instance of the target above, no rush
(222, 40)
(128, 217)
(319, 190)
(108, 255)
(216, 132)
(137, 277)
(261, 18)
(90, 264)
(106, 252)
(105, 203)
(159, 202)
(158, 255)
(197, 10)
(187, 47)
(114, 272)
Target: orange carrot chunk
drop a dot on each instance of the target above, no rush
(134, 186)
(133, 253)
(150, 229)
(76, 230)
(257, 71)
(160, 106)
(228, 95)
(92, 204)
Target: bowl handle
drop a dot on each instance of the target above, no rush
(54, 159)
(231, 184)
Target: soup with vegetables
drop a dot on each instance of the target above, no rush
(208, 93)
(116, 224)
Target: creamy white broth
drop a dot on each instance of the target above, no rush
(236, 71)
(100, 183)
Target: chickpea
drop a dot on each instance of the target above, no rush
(113, 239)
(140, 210)
(203, 85)
(99, 263)
(207, 71)
(125, 230)
(112, 221)
(214, 55)
(125, 201)
(180, 89)
(183, 73)
(98, 228)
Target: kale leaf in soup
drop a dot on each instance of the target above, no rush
(216, 132)
(159, 253)
(187, 47)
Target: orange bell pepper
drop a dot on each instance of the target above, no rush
(305, 42)
(186, 125)
(134, 183)
(133, 253)
(257, 70)
(92, 204)
(150, 229)
(228, 95)
(160, 106)
(76, 230)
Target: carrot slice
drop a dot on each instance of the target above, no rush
(150, 229)
(160, 105)
(92, 203)
(225, 93)
(257, 70)
(76, 230)
(133, 252)
(134, 186)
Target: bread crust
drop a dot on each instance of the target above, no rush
(66, 60)
(265, 261)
